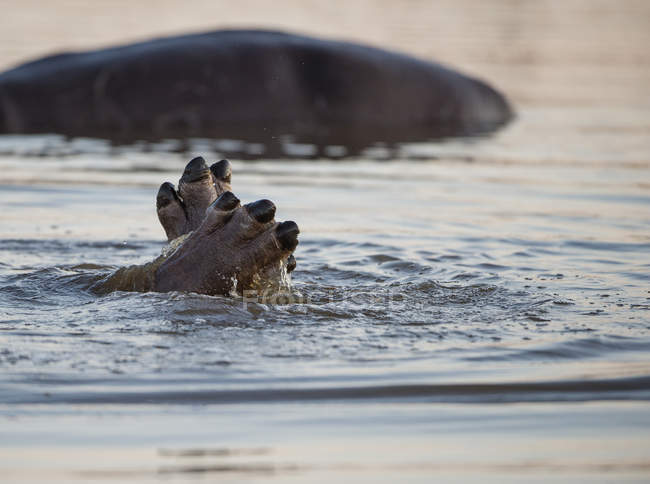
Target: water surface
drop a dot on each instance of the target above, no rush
(470, 309)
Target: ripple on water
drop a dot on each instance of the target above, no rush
(353, 305)
(576, 349)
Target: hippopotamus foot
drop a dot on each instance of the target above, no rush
(218, 246)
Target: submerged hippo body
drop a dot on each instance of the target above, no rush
(256, 86)
(249, 85)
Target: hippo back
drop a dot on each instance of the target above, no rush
(247, 84)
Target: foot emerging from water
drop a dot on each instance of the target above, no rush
(217, 245)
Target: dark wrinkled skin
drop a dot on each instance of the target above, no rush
(226, 248)
(257, 86)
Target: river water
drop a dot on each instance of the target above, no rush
(468, 309)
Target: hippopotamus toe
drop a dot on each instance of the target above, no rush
(171, 211)
(222, 171)
(219, 212)
(226, 201)
(263, 210)
(196, 189)
(195, 170)
(221, 176)
(287, 235)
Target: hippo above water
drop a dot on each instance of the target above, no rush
(217, 246)
(250, 85)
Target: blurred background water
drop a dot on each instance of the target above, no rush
(473, 309)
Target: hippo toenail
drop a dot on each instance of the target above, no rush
(222, 170)
(195, 170)
(287, 234)
(166, 195)
(226, 202)
(262, 210)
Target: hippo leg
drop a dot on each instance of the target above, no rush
(183, 211)
(217, 245)
(233, 248)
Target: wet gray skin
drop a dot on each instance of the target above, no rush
(219, 246)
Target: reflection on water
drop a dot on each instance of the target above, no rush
(508, 269)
